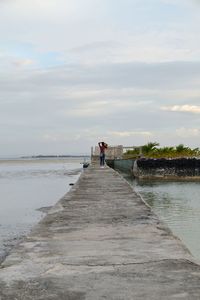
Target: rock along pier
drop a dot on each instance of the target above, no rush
(100, 241)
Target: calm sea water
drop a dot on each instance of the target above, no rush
(27, 185)
(178, 205)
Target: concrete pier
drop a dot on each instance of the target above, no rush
(100, 241)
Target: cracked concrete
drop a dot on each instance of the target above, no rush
(100, 241)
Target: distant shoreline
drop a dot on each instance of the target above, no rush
(54, 156)
(28, 157)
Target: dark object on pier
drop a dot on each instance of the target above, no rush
(71, 184)
(86, 165)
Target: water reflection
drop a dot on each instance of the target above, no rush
(178, 205)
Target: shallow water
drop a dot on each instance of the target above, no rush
(178, 205)
(27, 185)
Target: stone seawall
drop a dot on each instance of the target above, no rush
(123, 165)
(182, 168)
(170, 169)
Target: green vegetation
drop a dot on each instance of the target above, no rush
(152, 150)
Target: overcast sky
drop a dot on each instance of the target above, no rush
(75, 72)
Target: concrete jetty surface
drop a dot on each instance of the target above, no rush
(100, 241)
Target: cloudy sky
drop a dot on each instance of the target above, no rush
(73, 72)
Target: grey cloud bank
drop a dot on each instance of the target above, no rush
(76, 79)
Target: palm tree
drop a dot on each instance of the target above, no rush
(180, 148)
(149, 148)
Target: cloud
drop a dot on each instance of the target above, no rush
(104, 107)
(75, 71)
(115, 95)
(23, 62)
(188, 132)
(155, 76)
(94, 31)
(194, 109)
(83, 112)
(130, 133)
(61, 137)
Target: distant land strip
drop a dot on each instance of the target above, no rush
(53, 156)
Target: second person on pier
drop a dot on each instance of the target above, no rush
(102, 146)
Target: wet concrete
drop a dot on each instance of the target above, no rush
(100, 241)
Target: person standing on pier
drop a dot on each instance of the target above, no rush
(102, 146)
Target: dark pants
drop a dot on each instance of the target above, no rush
(102, 159)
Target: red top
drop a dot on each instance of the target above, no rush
(102, 148)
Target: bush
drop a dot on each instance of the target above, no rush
(151, 150)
